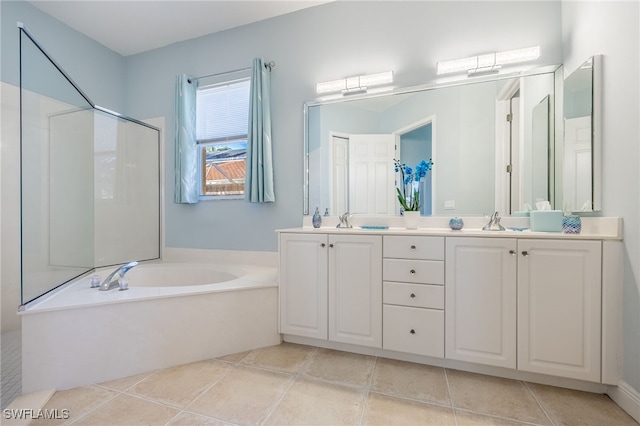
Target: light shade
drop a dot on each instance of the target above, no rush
(489, 62)
(355, 84)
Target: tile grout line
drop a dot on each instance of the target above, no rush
(295, 378)
(368, 391)
(117, 392)
(453, 408)
(82, 416)
(232, 367)
(535, 397)
(493, 416)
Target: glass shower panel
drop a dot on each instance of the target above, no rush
(126, 190)
(56, 175)
(90, 180)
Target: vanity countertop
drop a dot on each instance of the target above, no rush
(593, 228)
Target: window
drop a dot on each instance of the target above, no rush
(222, 116)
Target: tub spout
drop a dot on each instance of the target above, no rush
(110, 283)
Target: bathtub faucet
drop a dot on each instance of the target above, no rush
(110, 283)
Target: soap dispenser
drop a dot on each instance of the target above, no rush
(317, 219)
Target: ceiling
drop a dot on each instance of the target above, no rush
(130, 27)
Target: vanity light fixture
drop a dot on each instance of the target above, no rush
(487, 63)
(353, 85)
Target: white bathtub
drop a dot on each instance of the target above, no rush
(172, 314)
(184, 274)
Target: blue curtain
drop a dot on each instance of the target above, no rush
(259, 179)
(186, 155)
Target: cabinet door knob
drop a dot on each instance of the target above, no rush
(413, 296)
(512, 252)
(525, 253)
(331, 245)
(323, 245)
(412, 272)
(412, 331)
(413, 247)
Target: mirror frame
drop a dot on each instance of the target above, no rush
(405, 90)
(596, 133)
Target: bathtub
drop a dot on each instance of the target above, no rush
(172, 314)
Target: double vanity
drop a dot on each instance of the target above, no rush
(532, 305)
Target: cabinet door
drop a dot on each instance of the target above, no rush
(481, 300)
(559, 308)
(355, 289)
(303, 285)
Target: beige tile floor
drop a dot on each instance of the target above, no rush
(301, 385)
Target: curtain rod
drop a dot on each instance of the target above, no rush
(270, 65)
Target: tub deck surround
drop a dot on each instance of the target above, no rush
(600, 228)
(79, 294)
(80, 336)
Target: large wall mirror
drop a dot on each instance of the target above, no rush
(579, 174)
(491, 140)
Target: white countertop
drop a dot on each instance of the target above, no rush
(593, 228)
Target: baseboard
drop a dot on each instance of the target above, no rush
(627, 398)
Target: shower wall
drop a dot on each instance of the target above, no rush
(90, 192)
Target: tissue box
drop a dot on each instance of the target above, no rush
(546, 220)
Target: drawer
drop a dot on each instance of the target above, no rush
(417, 295)
(413, 330)
(413, 247)
(413, 271)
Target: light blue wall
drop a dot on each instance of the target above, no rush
(612, 30)
(97, 70)
(318, 44)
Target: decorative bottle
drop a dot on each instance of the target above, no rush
(317, 219)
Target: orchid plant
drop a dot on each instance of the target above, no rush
(409, 195)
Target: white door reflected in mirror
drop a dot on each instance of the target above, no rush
(577, 164)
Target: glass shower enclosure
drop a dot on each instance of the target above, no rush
(90, 180)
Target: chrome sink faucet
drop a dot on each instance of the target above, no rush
(494, 223)
(110, 283)
(344, 221)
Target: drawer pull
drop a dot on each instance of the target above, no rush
(413, 296)
(412, 272)
(412, 331)
(413, 247)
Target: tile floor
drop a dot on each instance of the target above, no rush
(301, 385)
(10, 366)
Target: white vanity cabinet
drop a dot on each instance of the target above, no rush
(481, 300)
(331, 287)
(529, 304)
(559, 308)
(413, 295)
